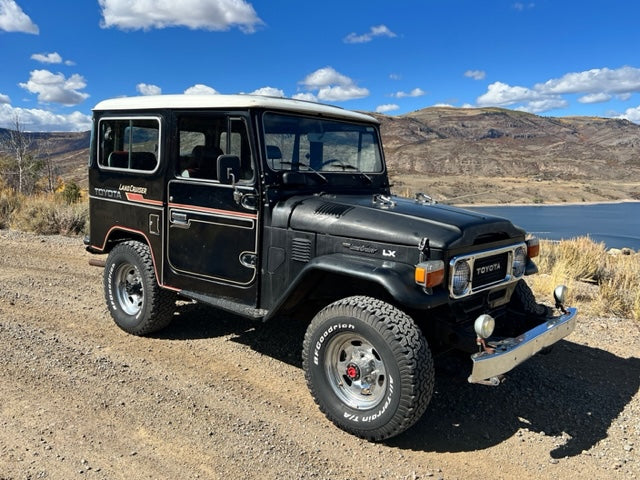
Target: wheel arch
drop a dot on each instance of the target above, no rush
(330, 277)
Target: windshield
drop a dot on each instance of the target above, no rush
(321, 145)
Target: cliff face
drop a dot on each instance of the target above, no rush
(498, 142)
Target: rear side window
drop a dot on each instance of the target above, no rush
(129, 143)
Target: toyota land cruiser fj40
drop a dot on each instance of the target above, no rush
(269, 207)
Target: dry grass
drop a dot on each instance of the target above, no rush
(599, 283)
(45, 214)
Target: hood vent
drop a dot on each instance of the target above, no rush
(332, 209)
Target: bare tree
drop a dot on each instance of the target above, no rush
(51, 171)
(21, 165)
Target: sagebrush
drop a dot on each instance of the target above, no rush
(599, 282)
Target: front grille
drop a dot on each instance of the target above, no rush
(489, 270)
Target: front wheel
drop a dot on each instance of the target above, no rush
(136, 302)
(368, 367)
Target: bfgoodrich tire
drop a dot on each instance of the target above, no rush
(368, 367)
(136, 302)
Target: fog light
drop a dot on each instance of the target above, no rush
(560, 295)
(484, 325)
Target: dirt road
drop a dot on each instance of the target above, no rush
(218, 397)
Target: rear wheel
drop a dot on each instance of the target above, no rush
(368, 367)
(136, 302)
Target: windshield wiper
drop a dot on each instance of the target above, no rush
(309, 169)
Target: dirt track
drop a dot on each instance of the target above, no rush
(218, 397)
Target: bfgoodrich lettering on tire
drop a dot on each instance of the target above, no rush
(136, 302)
(368, 367)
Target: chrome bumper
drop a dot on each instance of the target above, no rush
(510, 352)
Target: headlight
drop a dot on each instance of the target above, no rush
(519, 261)
(484, 325)
(461, 277)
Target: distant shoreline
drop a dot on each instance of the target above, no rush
(531, 204)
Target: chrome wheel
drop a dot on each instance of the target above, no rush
(355, 371)
(128, 289)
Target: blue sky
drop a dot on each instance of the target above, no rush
(549, 57)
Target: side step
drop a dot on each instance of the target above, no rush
(227, 305)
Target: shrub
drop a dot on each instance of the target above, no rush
(47, 215)
(9, 203)
(599, 283)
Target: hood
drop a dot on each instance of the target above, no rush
(399, 221)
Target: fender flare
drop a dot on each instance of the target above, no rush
(395, 278)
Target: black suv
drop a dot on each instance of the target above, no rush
(271, 207)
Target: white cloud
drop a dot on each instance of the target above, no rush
(13, 19)
(4, 99)
(376, 31)
(148, 89)
(37, 120)
(325, 76)
(522, 6)
(56, 88)
(387, 107)
(200, 89)
(416, 92)
(595, 86)
(333, 86)
(595, 98)
(47, 57)
(597, 80)
(306, 96)
(340, 93)
(269, 92)
(631, 114)
(475, 74)
(544, 105)
(395, 76)
(502, 95)
(215, 15)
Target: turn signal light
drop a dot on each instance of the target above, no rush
(533, 247)
(429, 274)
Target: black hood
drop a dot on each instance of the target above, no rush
(398, 221)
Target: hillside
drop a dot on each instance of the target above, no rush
(487, 155)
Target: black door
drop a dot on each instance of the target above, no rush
(212, 228)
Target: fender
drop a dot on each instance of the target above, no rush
(396, 278)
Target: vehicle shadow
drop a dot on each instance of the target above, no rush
(574, 393)
(280, 338)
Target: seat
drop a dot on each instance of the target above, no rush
(205, 161)
(273, 153)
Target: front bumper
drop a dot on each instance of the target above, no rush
(510, 352)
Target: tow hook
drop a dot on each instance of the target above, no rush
(493, 381)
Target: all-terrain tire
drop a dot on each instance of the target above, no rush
(524, 300)
(368, 367)
(136, 302)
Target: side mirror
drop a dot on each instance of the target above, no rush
(228, 169)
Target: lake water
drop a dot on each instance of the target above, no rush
(615, 224)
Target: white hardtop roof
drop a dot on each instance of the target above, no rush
(150, 102)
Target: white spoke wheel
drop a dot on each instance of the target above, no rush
(368, 367)
(136, 302)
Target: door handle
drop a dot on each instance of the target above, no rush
(179, 218)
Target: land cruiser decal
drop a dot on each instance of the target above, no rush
(133, 189)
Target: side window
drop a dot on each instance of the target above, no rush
(129, 143)
(203, 138)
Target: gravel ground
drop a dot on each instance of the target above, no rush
(218, 397)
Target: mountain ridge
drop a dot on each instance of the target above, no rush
(462, 152)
